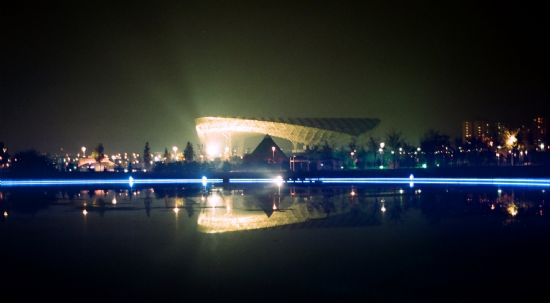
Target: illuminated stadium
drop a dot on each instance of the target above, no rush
(217, 133)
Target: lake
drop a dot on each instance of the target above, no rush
(268, 242)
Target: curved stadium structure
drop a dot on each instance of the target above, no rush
(307, 131)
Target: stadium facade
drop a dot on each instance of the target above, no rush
(304, 131)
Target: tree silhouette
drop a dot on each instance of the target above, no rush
(32, 163)
(188, 152)
(372, 148)
(433, 141)
(166, 154)
(147, 155)
(99, 152)
(395, 140)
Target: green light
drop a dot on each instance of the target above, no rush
(424, 165)
(381, 167)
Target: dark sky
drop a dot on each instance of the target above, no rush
(123, 75)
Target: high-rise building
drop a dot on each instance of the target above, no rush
(482, 130)
(467, 131)
(538, 130)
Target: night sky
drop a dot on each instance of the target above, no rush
(123, 75)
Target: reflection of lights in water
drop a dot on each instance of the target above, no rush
(401, 191)
(499, 191)
(5, 214)
(383, 208)
(512, 209)
(352, 193)
(492, 207)
(84, 212)
(418, 191)
(113, 201)
(214, 200)
(228, 205)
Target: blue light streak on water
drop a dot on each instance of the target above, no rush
(440, 181)
(251, 180)
(526, 182)
(130, 182)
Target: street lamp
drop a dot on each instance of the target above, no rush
(381, 150)
(273, 154)
(83, 149)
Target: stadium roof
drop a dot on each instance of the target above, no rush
(350, 126)
(309, 131)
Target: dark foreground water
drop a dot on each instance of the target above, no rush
(262, 243)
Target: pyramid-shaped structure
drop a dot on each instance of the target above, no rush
(267, 152)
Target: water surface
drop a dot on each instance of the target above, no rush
(381, 243)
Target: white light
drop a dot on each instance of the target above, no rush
(176, 210)
(401, 191)
(114, 201)
(204, 181)
(383, 208)
(499, 191)
(212, 150)
(542, 146)
(278, 180)
(382, 144)
(5, 214)
(411, 176)
(84, 212)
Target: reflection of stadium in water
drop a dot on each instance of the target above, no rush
(234, 211)
(252, 208)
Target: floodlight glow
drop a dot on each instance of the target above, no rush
(212, 150)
